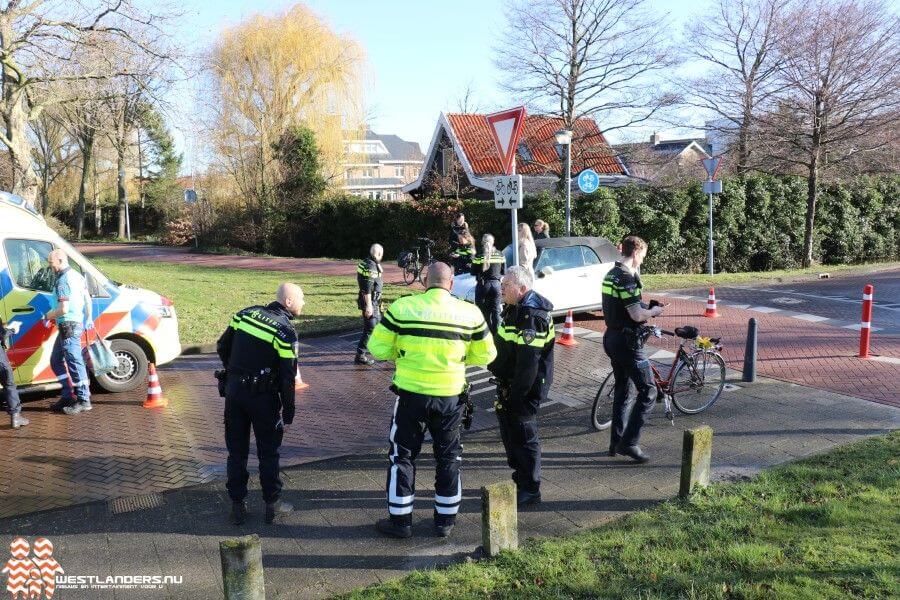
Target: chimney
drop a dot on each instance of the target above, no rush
(655, 139)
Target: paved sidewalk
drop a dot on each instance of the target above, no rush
(329, 545)
(182, 256)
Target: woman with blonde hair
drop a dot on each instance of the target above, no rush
(527, 249)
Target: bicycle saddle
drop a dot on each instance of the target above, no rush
(688, 332)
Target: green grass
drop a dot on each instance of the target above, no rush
(206, 297)
(826, 527)
(669, 281)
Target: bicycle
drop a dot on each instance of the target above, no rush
(414, 264)
(694, 382)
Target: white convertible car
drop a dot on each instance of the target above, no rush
(569, 272)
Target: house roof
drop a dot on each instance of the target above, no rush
(398, 149)
(473, 136)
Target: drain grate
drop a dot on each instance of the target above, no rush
(128, 504)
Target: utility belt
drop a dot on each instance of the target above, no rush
(465, 400)
(635, 337)
(68, 329)
(260, 382)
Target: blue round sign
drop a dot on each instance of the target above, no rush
(588, 181)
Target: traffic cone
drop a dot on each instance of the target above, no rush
(711, 305)
(568, 337)
(155, 398)
(299, 384)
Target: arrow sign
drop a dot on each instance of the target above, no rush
(712, 165)
(506, 127)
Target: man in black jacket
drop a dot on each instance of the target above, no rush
(524, 368)
(369, 277)
(9, 393)
(259, 353)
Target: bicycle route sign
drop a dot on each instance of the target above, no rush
(508, 192)
(588, 181)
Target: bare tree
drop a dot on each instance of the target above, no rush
(740, 48)
(840, 93)
(466, 101)
(40, 43)
(85, 121)
(54, 151)
(594, 58)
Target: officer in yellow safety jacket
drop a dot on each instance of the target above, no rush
(431, 337)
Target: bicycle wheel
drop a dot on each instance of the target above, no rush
(698, 382)
(410, 272)
(601, 411)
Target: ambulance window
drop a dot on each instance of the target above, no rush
(28, 264)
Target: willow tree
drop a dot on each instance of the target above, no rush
(269, 74)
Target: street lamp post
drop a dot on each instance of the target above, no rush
(564, 138)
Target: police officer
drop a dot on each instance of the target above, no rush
(459, 231)
(369, 273)
(464, 253)
(432, 337)
(524, 368)
(9, 393)
(259, 352)
(488, 268)
(623, 312)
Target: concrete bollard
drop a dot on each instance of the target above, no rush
(749, 374)
(696, 453)
(499, 518)
(242, 568)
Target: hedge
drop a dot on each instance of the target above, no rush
(758, 223)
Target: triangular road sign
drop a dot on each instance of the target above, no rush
(506, 127)
(712, 165)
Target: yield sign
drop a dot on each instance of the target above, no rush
(712, 165)
(506, 127)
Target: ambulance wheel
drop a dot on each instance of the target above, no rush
(132, 371)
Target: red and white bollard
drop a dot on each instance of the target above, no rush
(865, 328)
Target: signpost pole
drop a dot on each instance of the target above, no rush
(515, 226)
(710, 250)
(569, 189)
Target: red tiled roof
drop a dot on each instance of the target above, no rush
(589, 147)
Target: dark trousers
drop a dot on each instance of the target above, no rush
(414, 414)
(243, 410)
(9, 394)
(369, 324)
(488, 299)
(628, 364)
(523, 448)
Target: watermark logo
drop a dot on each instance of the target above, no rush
(31, 577)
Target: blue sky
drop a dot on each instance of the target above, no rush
(421, 54)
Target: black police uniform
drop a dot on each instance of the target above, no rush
(621, 289)
(369, 275)
(487, 288)
(524, 366)
(460, 253)
(10, 393)
(259, 352)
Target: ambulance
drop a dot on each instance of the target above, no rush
(140, 325)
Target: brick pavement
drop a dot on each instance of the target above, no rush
(313, 266)
(811, 354)
(329, 546)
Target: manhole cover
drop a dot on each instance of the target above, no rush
(128, 504)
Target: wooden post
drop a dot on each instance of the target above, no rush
(499, 518)
(242, 568)
(695, 459)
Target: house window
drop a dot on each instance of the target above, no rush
(399, 171)
(367, 173)
(349, 173)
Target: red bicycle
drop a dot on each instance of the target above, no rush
(694, 382)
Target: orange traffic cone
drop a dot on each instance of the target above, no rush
(711, 305)
(299, 384)
(155, 398)
(568, 337)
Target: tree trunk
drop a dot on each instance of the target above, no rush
(120, 163)
(15, 117)
(87, 152)
(98, 214)
(743, 157)
(815, 150)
